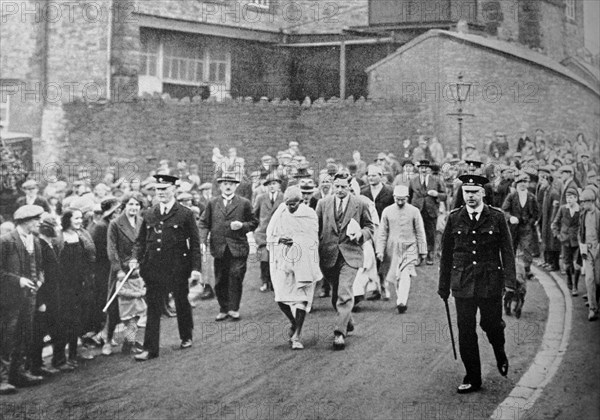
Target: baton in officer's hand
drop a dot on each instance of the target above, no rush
(117, 289)
(450, 327)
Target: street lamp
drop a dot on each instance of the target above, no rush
(462, 90)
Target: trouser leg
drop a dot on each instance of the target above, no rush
(403, 288)
(154, 300)
(344, 296)
(221, 266)
(237, 272)
(185, 322)
(466, 312)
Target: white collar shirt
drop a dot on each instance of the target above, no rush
(477, 210)
(27, 239)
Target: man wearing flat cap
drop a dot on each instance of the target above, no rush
(264, 207)
(584, 166)
(477, 264)
(31, 190)
(522, 212)
(228, 218)
(167, 251)
(567, 176)
(21, 275)
(426, 192)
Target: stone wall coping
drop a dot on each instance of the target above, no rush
(496, 45)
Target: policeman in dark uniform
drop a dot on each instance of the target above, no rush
(477, 264)
(168, 251)
(473, 167)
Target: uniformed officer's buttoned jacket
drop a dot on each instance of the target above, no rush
(168, 245)
(477, 258)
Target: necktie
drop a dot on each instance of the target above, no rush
(163, 210)
(272, 199)
(340, 210)
(473, 218)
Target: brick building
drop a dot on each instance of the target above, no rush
(54, 53)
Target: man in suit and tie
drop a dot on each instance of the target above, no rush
(228, 218)
(21, 276)
(167, 251)
(344, 225)
(377, 191)
(264, 207)
(425, 193)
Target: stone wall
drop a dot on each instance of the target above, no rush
(137, 134)
(507, 92)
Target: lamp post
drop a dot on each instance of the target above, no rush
(462, 94)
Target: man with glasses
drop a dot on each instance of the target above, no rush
(400, 239)
(344, 225)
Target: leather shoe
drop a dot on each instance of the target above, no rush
(375, 296)
(338, 342)
(65, 367)
(350, 327)
(145, 355)
(401, 308)
(207, 293)
(429, 261)
(186, 344)
(502, 363)
(221, 317)
(234, 315)
(24, 379)
(468, 388)
(7, 389)
(45, 371)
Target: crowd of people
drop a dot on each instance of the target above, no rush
(78, 259)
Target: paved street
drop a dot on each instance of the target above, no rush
(394, 366)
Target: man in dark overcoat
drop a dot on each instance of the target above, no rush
(477, 263)
(167, 252)
(228, 218)
(21, 276)
(426, 191)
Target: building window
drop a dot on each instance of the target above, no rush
(570, 9)
(183, 62)
(263, 4)
(149, 56)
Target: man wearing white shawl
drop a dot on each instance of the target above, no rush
(399, 241)
(292, 238)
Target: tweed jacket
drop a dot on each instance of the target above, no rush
(14, 264)
(334, 240)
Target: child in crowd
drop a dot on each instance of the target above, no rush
(131, 308)
(566, 227)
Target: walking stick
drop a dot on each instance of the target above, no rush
(450, 327)
(119, 286)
